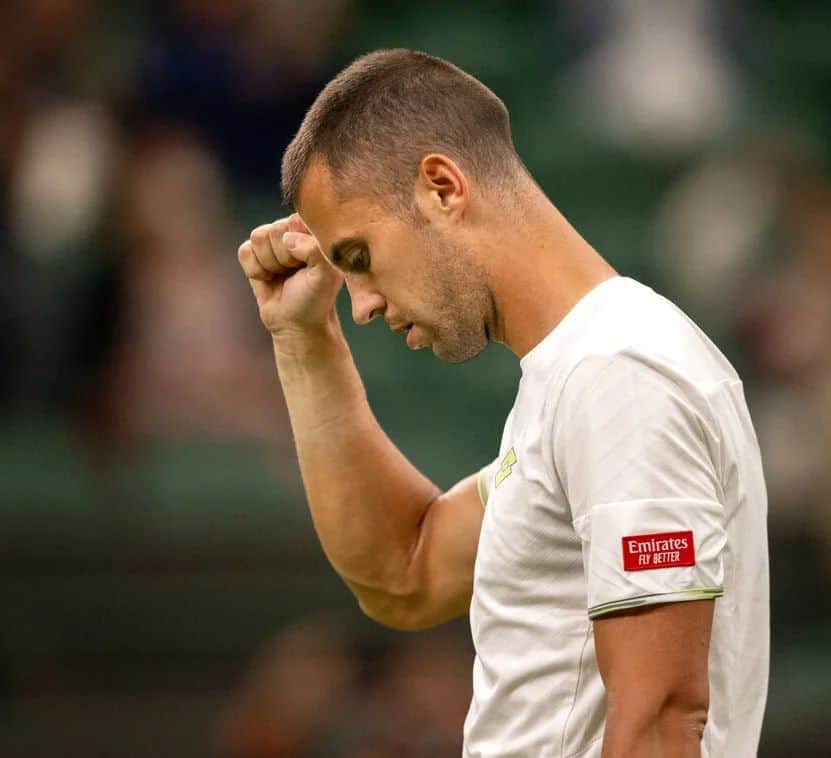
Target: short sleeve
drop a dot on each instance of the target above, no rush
(634, 456)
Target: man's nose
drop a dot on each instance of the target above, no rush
(366, 302)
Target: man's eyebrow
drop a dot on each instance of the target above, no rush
(341, 246)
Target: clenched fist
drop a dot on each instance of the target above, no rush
(294, 284)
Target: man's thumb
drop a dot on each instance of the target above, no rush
(303, 247)
(296, 224)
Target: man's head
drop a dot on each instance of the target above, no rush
(393, 170)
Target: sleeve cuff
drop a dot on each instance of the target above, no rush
(699, 593)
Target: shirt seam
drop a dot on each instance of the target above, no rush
(582, 750)
(576, 690)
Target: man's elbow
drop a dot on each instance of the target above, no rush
(649, 727)
(391, 601)
(683, 720)
(397, 612)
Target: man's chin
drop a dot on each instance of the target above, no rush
(456, 354)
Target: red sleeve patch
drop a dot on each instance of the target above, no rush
(661, 550)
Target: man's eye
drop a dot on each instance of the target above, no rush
(360, 261)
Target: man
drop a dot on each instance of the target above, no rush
(627, 494)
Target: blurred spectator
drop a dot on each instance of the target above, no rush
(424, 693)
(57, 147)
(59, 192)
(716, 226)
(240, 72)
(658, 79)
(306, 696)
(784, 321)
(62, 179)
(296, 685)
(192, 361)
(44, 42)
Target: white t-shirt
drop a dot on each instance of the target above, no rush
(628, 474)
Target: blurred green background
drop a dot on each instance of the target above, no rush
(162, 590)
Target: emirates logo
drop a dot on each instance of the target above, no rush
(661, 550)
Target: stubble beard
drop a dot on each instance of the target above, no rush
(462, 302)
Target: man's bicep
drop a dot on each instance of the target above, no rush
(444, 556)
(653, 662)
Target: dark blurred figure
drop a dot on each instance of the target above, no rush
(189, 363)
(423, 695)
(56, 155)
(307, 695)
(658, 79)
(784, 322)
(412, 703)
(294, 688)
(242, 72)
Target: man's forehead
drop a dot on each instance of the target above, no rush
(317, 193)
(329, 215)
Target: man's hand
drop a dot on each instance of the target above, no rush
(295, 286)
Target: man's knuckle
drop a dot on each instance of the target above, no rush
(259, 235)
(275, 236)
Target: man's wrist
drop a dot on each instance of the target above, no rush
(315, 365)
(303, 343)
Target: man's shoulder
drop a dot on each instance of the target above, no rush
(619, 315)
(632, 318)
(623, 338)
(637, 329)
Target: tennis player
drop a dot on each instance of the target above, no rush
(613, 556)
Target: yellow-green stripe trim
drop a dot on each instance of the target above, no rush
(699, 593)
(481, 488)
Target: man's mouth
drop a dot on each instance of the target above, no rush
(414, 342)
(412, 338)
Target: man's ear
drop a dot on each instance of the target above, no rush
(441, 189)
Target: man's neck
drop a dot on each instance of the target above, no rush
(548, 269)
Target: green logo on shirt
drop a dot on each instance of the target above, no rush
(505, 467)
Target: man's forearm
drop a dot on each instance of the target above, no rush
(367, 501)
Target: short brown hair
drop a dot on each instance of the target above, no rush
(382, 114)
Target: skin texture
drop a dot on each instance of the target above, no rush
(463, 265)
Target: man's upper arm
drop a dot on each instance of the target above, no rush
(653, 661)
(443, 557)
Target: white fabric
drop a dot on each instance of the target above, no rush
(627, 421)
